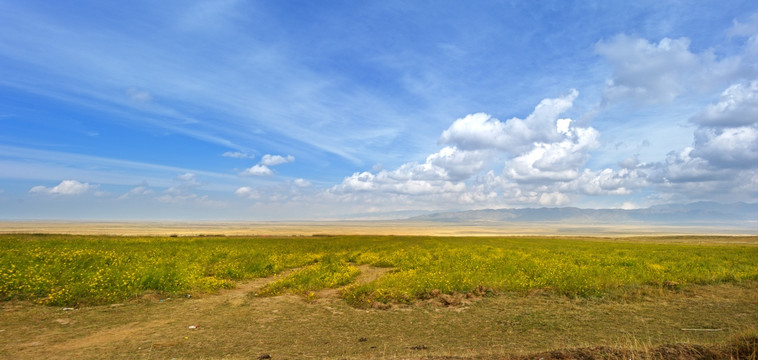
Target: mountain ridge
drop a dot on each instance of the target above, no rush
(701, 213)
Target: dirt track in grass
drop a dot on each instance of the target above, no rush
(237, 324)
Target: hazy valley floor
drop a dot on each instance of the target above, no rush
(379, 227)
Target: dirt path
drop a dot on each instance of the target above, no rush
(150, 324)
(234, 325)
(237, 295)
(368, 274)
(103, 337)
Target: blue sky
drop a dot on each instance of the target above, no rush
(245, 110)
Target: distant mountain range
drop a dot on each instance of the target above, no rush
(701, 213)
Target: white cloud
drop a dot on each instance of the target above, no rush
(720, 164)
(410, 179)
(558, 161)
(188, 180)
(258, 170)
(273, 160)
(458, 164)
(553, 199)
(738, 106)
(66, 187)
(631, 162)
(137, 191)
(544, 151)
(606, 182)
(730, 147)
(302, 183)
(683, 166)
(482, 132)
(658, 73)
(238, 155)
(247, 192)
(628, 205)
(443, 172)
(552, 172)
(724, 154)
(263, 167)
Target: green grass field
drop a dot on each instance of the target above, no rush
(88, 270)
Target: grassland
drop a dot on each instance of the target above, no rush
(71, 270)
(497, 295)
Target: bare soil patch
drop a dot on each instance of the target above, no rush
(367, 274)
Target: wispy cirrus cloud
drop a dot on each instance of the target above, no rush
(140, 191)
(155, 90)
(487, 115)
(238, 155)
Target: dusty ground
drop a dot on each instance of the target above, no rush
(238, 324)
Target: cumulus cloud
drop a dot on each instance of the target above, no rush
(606, 182)
(302, 183)
(455, 164)
(683, 166)
(723, 156)
(541, 160)
(482, 132)
(273, 160)
(738, 106)
(66, 187)
(558, 161)
(405, 180)
(258, 170)
(443, 172)
(730, 147)
(263, 167)
(247, 192)
(238, 155)
(722, 161)
(631, 162)
(727, 135)
(542, 150)
(657, 73)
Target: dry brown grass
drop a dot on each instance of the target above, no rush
(233, 324)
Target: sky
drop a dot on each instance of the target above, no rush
(303, 110)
